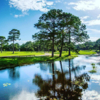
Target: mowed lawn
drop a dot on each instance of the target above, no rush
(20, 53)
(81, 52)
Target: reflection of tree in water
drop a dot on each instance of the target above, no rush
(47, 65)
(44, 66)
(61, 87)
(14, 73)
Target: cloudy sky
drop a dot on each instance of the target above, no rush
(23, 14)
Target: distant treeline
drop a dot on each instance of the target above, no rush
(89, 45)
(43, 46)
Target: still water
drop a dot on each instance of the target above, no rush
(63, 80)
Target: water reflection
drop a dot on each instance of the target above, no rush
(14, 73)
(64, 84)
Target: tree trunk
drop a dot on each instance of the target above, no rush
(13, 46)
(53, 47)
(61, 51)
(69, 52)
(69, 44)
(61, 48)
(1, 47)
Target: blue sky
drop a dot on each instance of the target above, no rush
(23, 14)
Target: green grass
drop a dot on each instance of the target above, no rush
(92, 71)
(18, 53)
(12, 62)
(28, 53)
(18, 61)
(81, 52)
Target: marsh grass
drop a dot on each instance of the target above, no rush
(93, 68)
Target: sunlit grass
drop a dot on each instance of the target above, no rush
(81, 52)
(12, 62)
(20, 53)
(18, 61)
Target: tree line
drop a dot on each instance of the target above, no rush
(58, 30)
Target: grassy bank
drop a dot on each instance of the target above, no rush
(20, 53)
(12, 62)
(18, 61)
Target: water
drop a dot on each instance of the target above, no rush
(69, 79)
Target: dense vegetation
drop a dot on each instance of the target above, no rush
(36, 46)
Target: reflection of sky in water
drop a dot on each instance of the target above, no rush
(24, 95)
(22, 87)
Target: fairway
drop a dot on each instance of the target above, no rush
(81, 52)
(29, 53)
(20, 53)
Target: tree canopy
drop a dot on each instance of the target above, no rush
(13, 36)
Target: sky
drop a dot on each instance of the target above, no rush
(23, 14)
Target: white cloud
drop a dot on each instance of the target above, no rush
(98, 16)
(94, 39)
(92, 22)
(86, 5)
(25, 5)
(84, 17)
(94, 30)
(24, 95)
(91, 95)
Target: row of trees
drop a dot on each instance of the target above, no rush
(58, 31)
(43, 46)
(13, 36)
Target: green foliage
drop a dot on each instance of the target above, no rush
(13, 36)
(94, 68)
(58, 28)
(2, 42)
(88, 45)
(93, 71)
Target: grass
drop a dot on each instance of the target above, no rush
(12, 62)
(81, 52)
(92, 71)
(18, 61)
(20, 53)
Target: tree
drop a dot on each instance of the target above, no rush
(75, 30)
(28, 46)
(59, 28)
(48, 25)
(13, 36)
(98, 44)
(2, 41)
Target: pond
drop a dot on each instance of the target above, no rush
(68, 79)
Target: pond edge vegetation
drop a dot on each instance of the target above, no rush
(20, 61)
